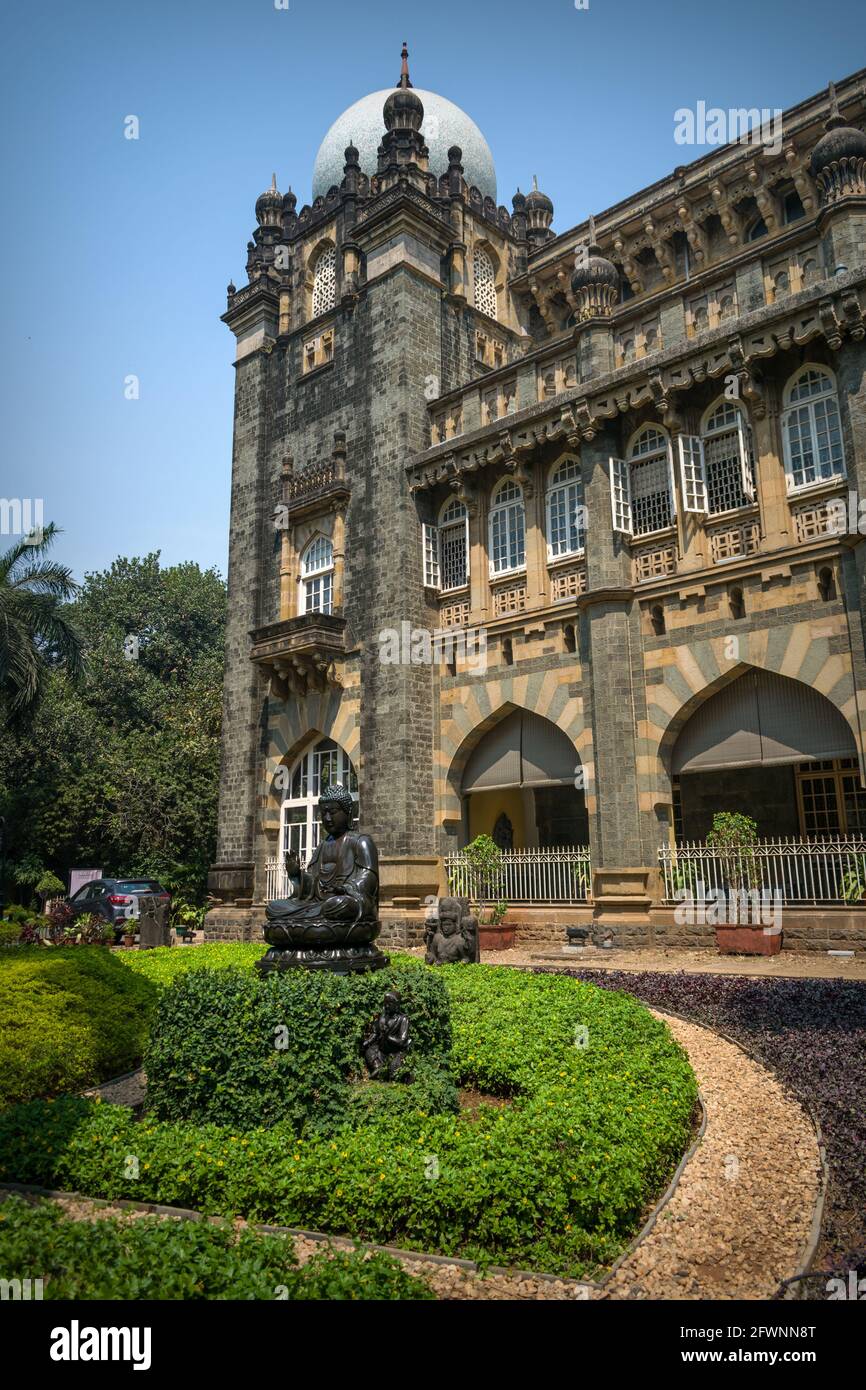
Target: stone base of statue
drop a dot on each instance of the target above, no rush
(342, 960)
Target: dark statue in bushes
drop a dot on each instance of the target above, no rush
(331, 920)
(386, 1044)
(452, 936)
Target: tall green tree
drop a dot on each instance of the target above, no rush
(37, 632)
(121, 772)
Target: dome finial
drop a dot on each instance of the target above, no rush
(535, 183)
(404, 67)
(273, 183)
(835, 117)
(592, 240)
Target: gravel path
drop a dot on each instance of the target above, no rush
(740, 1217)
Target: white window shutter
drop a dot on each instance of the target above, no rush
(786, 449)
(620, 496)
(693, 478)
(430, 541)
(748, 481)
(467, 547)
(671, 484)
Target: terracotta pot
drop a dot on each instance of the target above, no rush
(748, 941)
(496, 938)
(129, 938)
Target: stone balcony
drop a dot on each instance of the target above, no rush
(306, 653)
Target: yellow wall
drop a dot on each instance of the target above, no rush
(486, 807)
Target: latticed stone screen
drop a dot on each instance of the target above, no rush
(654, 564)
(738, 540)
(485, 282)
(568, 584)
(509, 600)
(325, 282)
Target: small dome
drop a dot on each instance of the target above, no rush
(595, 279)
(539, 200)
(595, 270)
(269, 204)
(840, 141)
(403, 110)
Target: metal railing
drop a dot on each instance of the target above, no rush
(800, 871)
(276, 880)
(525, 876)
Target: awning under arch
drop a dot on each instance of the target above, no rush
(523, 750)
(762, 720)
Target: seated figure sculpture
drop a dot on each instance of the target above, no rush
(331, 920)
(386, 1043)
(453, 937)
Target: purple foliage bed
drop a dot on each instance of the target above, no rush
(812, 1034)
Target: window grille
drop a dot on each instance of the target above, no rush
(650, 483)
(454, 546)
(729, 460)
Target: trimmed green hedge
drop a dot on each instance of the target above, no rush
(230, 1048)
(69, 1017)
(152, 1258)
(597, 1113)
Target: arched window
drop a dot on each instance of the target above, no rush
(325, 282)
(565, 515)
(811, 429)
(484, 278)
(321, 766)
(756, 230)
(728, 459)
(507, 529)
(454, 545)
(652, 504)
(317, 576)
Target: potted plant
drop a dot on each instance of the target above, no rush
(49, 889)
(734, 836)
(478, 876)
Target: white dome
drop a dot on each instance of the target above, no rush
(363, 126)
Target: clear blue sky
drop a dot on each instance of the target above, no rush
(117, 252)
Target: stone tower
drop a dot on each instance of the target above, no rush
(355, 317)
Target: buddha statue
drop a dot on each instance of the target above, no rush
(331, 920)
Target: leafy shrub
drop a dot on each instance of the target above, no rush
(68, 1018)
(238, 1050)
(49, 886)
(25, 915)
(10, 933)
(599, 1113)
(153, 1258)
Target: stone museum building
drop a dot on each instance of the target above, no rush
(553, 535)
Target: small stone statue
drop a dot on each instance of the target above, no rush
(386, 1044)
(331, 920)
(454, 937)
(503, 833)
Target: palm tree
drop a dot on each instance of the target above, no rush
(35, 634)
